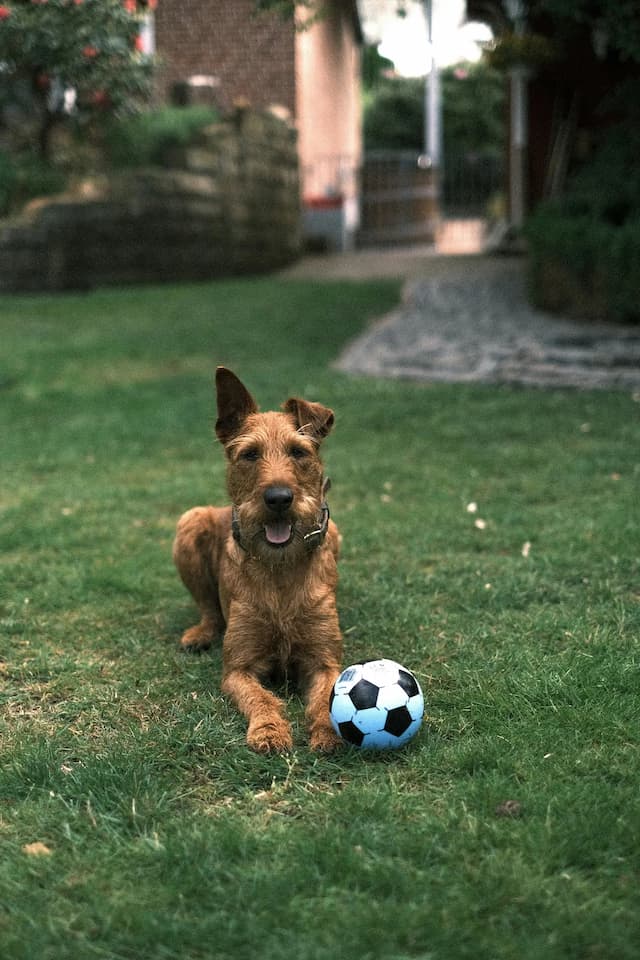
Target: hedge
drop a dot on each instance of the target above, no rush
(584, 267)
(585, 248)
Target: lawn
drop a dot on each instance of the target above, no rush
(134, 822)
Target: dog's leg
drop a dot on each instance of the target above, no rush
(322, 736)
(196, 550)
(246, 659)
(268, 730)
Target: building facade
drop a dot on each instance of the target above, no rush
(228, 53)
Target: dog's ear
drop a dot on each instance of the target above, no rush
(235, 403)
(312, 419)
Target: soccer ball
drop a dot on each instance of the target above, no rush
(376, 705)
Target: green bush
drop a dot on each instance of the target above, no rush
(7, 183)
(623, 257)
(584, 266)
(608, 187)
(23, 177)
(146, 138)
(394, 115)
(585, 248)
(472, 112)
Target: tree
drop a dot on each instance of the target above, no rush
(473, 118)
(618, 23)
(394, 115)
(472, 107)
(375, 67)
(64, 57)
(304, 12)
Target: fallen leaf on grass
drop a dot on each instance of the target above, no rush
(480, 524)
(36, 849)
(526, 547)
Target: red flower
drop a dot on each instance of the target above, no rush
(130, 6)
(4, 13)
(100, 98)
(139, 44)
(90, 52)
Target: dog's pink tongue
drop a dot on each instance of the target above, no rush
(278, 532)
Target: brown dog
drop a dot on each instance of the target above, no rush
(266, 567)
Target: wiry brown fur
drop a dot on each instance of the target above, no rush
(277, 600)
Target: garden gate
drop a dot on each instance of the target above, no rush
(398, 199)
(401, 202)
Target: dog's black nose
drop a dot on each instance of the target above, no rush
(278, 498)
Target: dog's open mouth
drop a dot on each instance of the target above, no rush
(278, 533)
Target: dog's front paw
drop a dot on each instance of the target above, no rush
(272, 736)
(324, 739)
(197, 638)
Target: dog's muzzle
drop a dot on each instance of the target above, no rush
(311, 540)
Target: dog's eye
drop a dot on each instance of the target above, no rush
(298, 453)
(251, 454)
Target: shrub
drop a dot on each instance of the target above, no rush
(584, 266)
(23, 177)
(585, 249)
(93, 48)
(147, 137)
(7, 183)
(394, 115)
(472, 112)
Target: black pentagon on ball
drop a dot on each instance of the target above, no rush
(398, 720)
(350, 733)
(408, 683)
(364, 695)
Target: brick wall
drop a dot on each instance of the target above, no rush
(259, 58)
(250, 54)
(229, 205)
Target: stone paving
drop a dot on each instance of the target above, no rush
(467, 319)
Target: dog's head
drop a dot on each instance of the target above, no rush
(274, 471)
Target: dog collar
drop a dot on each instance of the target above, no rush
(316, 537)
(311, 540)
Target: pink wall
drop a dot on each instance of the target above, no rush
(328, 103)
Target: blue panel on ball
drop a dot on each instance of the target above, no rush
(380, 740)
(415, 706)
(342, 708)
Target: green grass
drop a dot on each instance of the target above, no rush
(167, 838)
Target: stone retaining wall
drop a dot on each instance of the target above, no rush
(229, 205)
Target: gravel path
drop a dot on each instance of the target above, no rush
(473, 323)
(467, 319)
